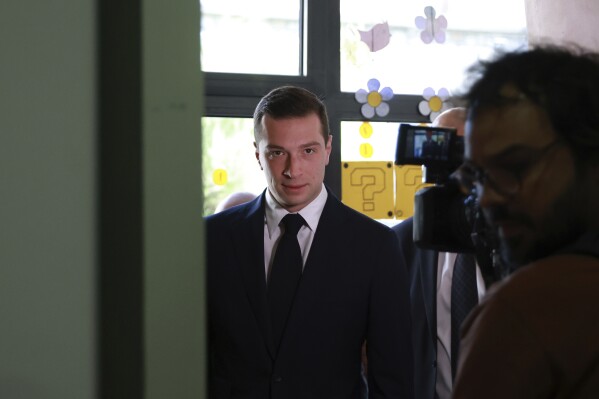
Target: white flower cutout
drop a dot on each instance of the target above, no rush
(434, 104)
(373, 100)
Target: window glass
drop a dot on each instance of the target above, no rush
(239, 36)
(368, 141)
(228, 160)
(365, 146)
(407, 64)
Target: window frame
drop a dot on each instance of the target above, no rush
(236, 95)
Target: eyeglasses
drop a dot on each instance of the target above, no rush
(505, 181)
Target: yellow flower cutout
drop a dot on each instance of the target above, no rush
(434, 104)
(374, 101)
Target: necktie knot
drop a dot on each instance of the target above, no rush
(292, 222)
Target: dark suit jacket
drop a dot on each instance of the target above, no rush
(352, 289)
(422, 271)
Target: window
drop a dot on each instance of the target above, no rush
(228, 161)
(237, 35)
(248, 48)
(408, 65)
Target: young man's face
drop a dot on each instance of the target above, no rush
(531, 193)
(293, 154)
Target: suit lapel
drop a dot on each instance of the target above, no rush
(249, 235)
(315, 271)
(329, 219)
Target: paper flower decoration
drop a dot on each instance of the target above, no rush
(432, 28)
(377, 37)
(434, 104)
(374, 101)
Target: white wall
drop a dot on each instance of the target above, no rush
(564, 21)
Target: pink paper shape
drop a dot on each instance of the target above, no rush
(376, 38)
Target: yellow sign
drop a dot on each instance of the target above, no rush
(219, 177)
(408, 180)
(368, 188)
(366, 150)
(366, 130)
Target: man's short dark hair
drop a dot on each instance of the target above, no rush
(289, 102)
(563, 81)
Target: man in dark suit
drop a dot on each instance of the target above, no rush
(351, 289)
(431, 275)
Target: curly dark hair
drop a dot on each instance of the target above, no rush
(562, 80)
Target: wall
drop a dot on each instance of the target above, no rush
(47, 200)
(173, 240)
(50, 205)
(563, 21)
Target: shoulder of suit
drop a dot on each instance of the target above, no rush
(361, 222)
(404, 227)
(231, 215)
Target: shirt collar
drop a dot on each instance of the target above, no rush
(311, 213)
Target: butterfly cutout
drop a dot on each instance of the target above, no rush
(432, 28)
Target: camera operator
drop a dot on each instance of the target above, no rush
(532, 157)
(431, 274)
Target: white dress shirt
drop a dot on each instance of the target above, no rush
(272, 231)
(444, 276)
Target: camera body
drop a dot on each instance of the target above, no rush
(444, 217)
(441, 150)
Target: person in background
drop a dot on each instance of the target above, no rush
(431, 276)
(283, 327)
(430, 148)
(532, 157)
(234, 199)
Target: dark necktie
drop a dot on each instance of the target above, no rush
(285, 273)
(464, 297)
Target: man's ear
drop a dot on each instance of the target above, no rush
(257, 154)
(328, 146)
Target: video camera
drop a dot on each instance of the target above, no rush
(444, 217)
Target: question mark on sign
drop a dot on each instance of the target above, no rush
(372, 181)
